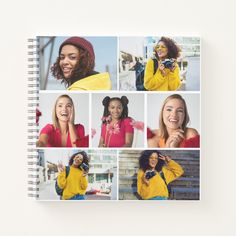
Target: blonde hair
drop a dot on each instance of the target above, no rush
(54, 115)
(162, 127)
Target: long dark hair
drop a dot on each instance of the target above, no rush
(144, 160)
(173, 48)
(124, 102)
(85, 158)
(84, 68)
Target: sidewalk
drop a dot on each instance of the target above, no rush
(47, 192)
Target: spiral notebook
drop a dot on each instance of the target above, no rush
(114, 118)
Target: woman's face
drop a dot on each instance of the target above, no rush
(173, 114)
(115, 109)
(162, 50)
(64, 109)
(78, 159)
(153, 160)
(69, 58)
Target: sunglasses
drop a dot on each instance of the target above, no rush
(160, 47)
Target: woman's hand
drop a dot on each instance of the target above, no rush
(174, 65)
(175, 138)
(164, 158)
(162, 69)
(60, 167)
(85, 173)
(144, 179)
(72, 116)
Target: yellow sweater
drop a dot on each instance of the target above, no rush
(74, 184)
(158, 82)
(157, 186)
(94, 82)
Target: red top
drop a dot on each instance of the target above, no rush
(114, 136)
(54, 135)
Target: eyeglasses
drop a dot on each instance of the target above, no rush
(160, 47)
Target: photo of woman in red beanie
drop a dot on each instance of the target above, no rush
(75, 66)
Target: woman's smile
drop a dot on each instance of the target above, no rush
(69, 58)
(63, 109)
(161, 50)
(153, 160)
(173, 114)
(115, 109)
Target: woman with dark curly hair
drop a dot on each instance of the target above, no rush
(75, 66)
(173, 131)
(156, 171)
(167, 75)
(74, 184)
(117, 129)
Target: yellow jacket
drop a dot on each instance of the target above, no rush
(74, 184)
(94, 82)
(157, 186)
(158, 82)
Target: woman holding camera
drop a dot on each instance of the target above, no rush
(167, 75)
(156, 171)
(75, 184)
(173, 131)
(75, 66)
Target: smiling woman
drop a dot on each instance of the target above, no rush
(156, 171)
(117, 129)
(167, 75)
(75, 184)
(75, 66)
(63, 132)
(173, 131)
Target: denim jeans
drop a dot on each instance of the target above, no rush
(158, 198)
(77, 197)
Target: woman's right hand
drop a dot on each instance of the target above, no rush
(175, 138)
(162, 69)
(60, 167)
(144, 179)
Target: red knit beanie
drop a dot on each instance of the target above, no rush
(79, 42)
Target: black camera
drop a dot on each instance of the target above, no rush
(150, 174)
(84, 167)
(168, 63)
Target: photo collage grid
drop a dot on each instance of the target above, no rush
(118, 118)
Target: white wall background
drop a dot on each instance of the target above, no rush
(214, 21)
(136, 111)
(81, 105)
(155, 102)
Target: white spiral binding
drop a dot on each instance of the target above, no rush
(33, 91)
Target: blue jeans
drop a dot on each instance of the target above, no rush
(77, 197)
(158, 198)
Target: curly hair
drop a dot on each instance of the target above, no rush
(173, 48)
(84, 68)
(162, 126)
(85, 158)
(144, 160)
(124, 102)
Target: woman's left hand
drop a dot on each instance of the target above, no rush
(174, 65)
(164, 158)
(72, 116)
(85, 173)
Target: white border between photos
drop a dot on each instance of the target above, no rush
(145, 123)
